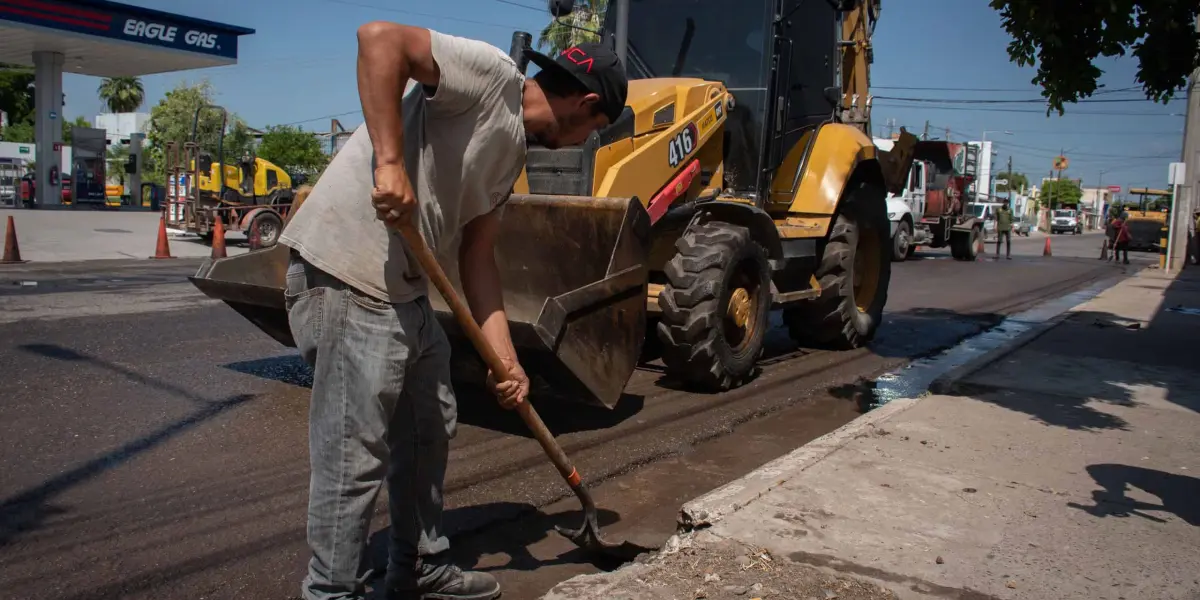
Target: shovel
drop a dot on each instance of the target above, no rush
(588, 535)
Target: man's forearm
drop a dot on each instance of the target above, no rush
(481, 286)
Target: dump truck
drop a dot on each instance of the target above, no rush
(252, 196)
(740, 178)
(930, 210)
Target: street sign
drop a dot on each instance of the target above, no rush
(1177, 174)
(1116, 189)
(23, 149)
(1001, 182)
(1060, 163)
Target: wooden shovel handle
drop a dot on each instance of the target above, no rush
(462, 314)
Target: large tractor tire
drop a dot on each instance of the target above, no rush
(715, 306)
(854, 274)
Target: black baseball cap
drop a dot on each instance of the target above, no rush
(596, 67)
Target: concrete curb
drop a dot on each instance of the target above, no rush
(948, 382)
(731, 497)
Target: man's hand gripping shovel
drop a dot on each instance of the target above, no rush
(588, 535)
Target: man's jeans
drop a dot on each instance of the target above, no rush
(382, 408)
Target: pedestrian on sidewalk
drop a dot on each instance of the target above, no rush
(447, 120)
(1121, 237)
(1004, 223)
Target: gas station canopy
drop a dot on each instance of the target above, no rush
(102, 39)
(108, 39)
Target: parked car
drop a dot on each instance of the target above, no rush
(1022, 227)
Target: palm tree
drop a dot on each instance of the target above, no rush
(563, 33)
(121, 94)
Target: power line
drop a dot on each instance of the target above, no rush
(510, 2)
(968, 89)
(1045, 132)
(424, 14)
(322, 118)
(1009, 100)
(1034, 112)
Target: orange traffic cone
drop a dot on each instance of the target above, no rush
(1046, 250)
(164, 249)
(218, 243)
(12, 251)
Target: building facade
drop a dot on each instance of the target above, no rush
(119, 126)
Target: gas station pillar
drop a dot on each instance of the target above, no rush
(48, 104)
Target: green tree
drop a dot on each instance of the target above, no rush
(1016, 181)
(21, 133)
(16, 94)
(1058, 192)
(121, 94)
(1064, 39)
(69, 126)
(171, 121)
(293, 150)
(114, 160)
(560, 34)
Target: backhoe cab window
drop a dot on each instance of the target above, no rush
(727, 40)
(717, 40)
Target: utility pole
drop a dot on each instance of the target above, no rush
(925, 135)
(891, 125)
(947, 134)
(1185, 203)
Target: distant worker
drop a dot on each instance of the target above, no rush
(1121, 237)
(1004, 222)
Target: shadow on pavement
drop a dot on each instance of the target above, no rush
(526, 526)
(1056, 410)
(1180, 494)
(1093, 359)
(27, 509)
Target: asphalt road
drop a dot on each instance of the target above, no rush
(154, 443)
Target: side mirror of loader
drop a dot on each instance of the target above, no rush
(561, 8)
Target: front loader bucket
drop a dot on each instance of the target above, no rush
(253, 285)
(574, 275)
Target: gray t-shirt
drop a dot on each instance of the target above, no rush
(464, 146)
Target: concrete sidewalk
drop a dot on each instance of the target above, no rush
(90, 234)
(1065, 467)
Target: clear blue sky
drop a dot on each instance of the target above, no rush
(299, 68)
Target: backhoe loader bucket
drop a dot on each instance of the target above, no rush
(574, 275)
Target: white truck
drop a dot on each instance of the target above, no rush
(900, 208)
(929, 210)
(1066, 220)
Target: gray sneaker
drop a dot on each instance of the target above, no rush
(443, 582)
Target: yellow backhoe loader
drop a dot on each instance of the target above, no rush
(740, 178)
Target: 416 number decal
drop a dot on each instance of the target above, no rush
(682, 145)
